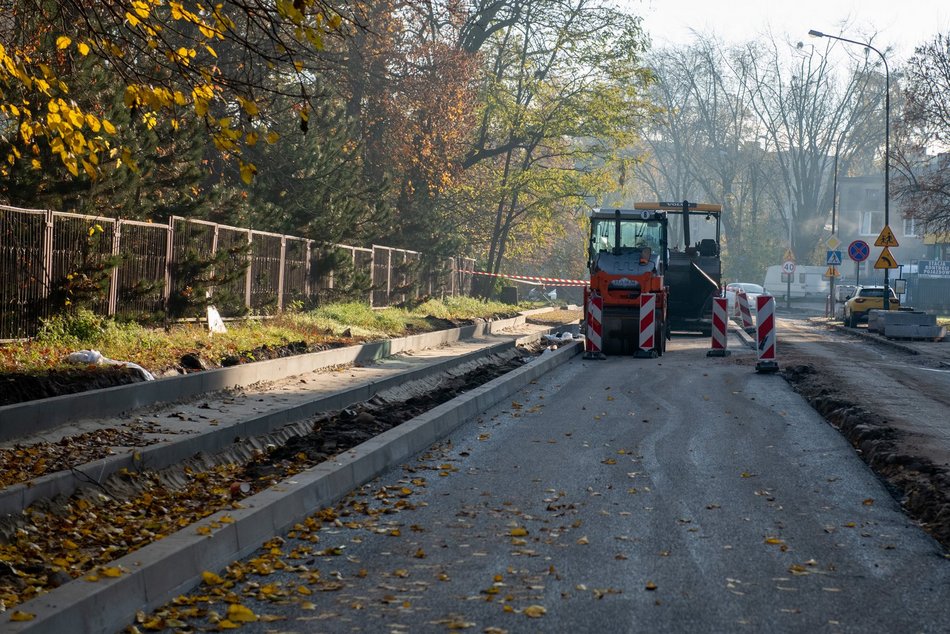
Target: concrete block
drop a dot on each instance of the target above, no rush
(902, 331)
(908, 318)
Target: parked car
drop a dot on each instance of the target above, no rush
(867, 298)
(751, 290)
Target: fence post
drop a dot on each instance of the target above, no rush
(47, 256)
(389, 276)
(306, 279)
(372, 274)
(169, 254)
(280, 273)
(249, 270)
(214, 254)
(114, 276)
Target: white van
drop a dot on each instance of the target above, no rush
(807, 281)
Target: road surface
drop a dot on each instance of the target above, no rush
(667, 495)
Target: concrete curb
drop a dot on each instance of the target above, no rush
(173, 565)
(17, 497)
(22, 419)
(740, 332)
(873, 338)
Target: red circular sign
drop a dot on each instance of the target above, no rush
(859, 250)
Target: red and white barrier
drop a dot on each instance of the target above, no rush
(593, 346)
(557, 281)
(720, 320)
(647, 322)
(742, 305)
(765, 334)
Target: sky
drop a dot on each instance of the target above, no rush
(899, 24)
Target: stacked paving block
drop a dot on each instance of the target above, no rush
(905, 324)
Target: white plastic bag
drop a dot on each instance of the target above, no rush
(95, 357)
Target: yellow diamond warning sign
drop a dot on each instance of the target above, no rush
(886, 239)
(886, 260)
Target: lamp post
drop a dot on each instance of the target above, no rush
(834, 209)
(887, 143)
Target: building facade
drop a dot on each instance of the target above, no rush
(861, 217)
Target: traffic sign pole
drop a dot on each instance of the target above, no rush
(788, 267)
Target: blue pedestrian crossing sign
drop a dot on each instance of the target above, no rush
(834, 258)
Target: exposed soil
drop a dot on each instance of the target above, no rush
(892, 436)
(343, 430)
(19, 387)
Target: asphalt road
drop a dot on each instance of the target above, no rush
(626, 495)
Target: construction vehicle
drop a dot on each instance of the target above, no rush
(649, 249)
(694, 273)
(627, 258)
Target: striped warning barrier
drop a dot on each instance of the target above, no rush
(742, 306)
(765, 333)
(719, 321)
(593, 347)
(647, 322)
(531, 278)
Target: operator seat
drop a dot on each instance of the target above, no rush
(708, 247)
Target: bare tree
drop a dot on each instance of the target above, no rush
(804, 108)
(922, 181)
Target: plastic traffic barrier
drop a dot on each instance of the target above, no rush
(647, 323)
(742, 306)
(719, 323)
(765, 334)
(593, 345)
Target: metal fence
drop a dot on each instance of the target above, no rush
(46, 255)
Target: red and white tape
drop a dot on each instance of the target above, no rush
(558, 281)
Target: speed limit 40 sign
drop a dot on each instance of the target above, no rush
(788, 267)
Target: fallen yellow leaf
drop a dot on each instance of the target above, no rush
(518, 532)
(237, 613)
(17, 615)
(535, 611)
(211, 579)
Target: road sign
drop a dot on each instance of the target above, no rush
(886, 260)
(833, 242)
(886, 239)
(789, 256)
(788, 267)
(859, 250)
(833, 258)
(832, 272)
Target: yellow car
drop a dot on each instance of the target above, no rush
(864, 299)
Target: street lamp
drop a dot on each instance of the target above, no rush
(887, 144)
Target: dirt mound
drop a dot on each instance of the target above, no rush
(924, 487)
(17, 387)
